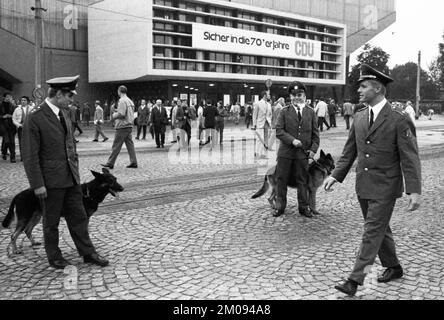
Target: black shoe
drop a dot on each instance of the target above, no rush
(315, 212)
(163, 146)
(95, 259)
(132, 165)
(306, 212)
(278, 213)
(158, 147)
(391, 274)
(13, 160)
(4, 156)
(95, 140)
(137, 138)
(60, 263)
(349, 287)
(104, 139)
(110, 166)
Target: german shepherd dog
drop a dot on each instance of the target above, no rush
(317, 172)
(28, 211)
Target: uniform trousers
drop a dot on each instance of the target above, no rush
(377, 239)
(123, 135)
(67, 202)
(290, 171)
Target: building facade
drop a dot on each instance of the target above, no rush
(222, 50)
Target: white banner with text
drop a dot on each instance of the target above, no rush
(215, 38)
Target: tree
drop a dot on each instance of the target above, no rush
(436, 72)
(373, 56)
(404, 85)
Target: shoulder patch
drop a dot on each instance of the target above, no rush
(399, 110)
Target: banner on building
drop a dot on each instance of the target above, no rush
(209, 37)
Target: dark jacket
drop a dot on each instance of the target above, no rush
(384, 154)
(159, 118)
(143, 116)
(332, 109)
(6, 124)
(289, 128)
(49, 155)
(210, 113)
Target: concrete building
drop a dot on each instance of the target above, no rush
(197, 49)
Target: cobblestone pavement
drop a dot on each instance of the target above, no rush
(192, 231)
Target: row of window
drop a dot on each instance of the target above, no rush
(223, 68)
(242, 14)
(238, 58)
(177, 27)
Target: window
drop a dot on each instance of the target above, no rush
(270, 20)
(246, 16)
(163, 14)
(184, 28)
(246, 26)
(186, 17)
(328, 48)
(181, 41)
(163, 52)
(161, 39)
(161, 64)
(221, 11)
(166, 3)
(271, 30)
(271, 61)
(186, 65)
(187, 54)
(163, 26)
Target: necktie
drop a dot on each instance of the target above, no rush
(299, 113)
(23, 116)
(371, 118)
(62, 120)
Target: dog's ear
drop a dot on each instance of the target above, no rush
(105, 170)
(96, 174)
(322, 154)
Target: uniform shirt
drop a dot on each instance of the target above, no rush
(376, 109)
(54, 108)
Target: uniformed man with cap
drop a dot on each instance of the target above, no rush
(52, 167)
(297, 129)
(383, 139)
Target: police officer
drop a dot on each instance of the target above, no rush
(383, 140)
(52, 167)
(297, 129)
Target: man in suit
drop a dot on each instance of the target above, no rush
(159, 119)
(210, 113)
(262, 122)
(7, 127)
(321, 110)
(348, 112)
(297, 129)
(124, 121)
(52, 167)
(98, 121)
(143, 116)
(383, 139)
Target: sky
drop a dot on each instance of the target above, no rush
(419, 26)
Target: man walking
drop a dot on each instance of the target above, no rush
(383, 139)
(262, 119)
(297, 130)
(124, 120)
(51, 164)
(98, 121)
(348, 112)
(159, 120)
(143, 116)
(332, 109)
(321, 110)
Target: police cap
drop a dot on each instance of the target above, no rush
(64, 83)
(297, 87)
(369, 73)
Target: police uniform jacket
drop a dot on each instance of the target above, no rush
(49, 155)
(289, 128)
(382, 151)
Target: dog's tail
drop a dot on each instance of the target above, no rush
(8, 218)
(263, 190)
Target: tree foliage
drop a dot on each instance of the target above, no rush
(375, 57)
(404, 85)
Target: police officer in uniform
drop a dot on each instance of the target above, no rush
(52, 167)
(383, 139)
(297, 129)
